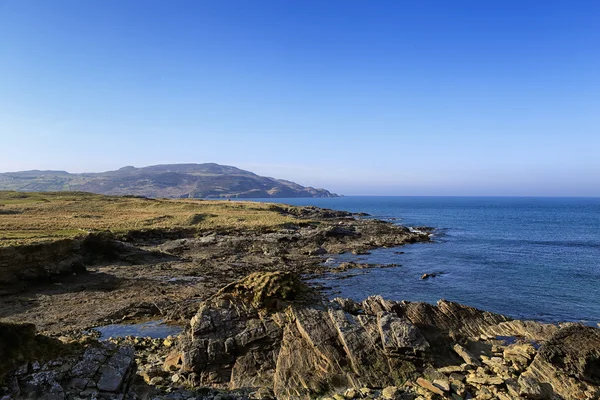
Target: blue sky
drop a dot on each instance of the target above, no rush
(360, 97)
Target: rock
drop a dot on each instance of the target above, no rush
(43, 386)
(113, 373)
(173, 362)
(287, 338)
(424, 383)
(531, 388)
(503, 396)
(575, 350)
(568, 364)
(458, 387)
(450, 369)
(485, 394)
(446, 319)
(442, 384)
(100, 368)
(484, 380)
(270, 330)
(521, 354)
(512, 387)
(465, 355)
(20, 344)
(358, 252)
(318, 252)
(390, 393)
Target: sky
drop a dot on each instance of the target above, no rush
(420, 97)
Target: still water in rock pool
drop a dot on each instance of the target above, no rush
(529, 258)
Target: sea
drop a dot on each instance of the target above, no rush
(524, 257)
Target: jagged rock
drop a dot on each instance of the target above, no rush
(19, 344)
(442, 384)
(43, 386)
(450, 369)
(114, 372)
(530, 330)
(424, 383)
(484, 380)
(465, 355)
(531, 388)
(503, 396)
(568, 364)
(520, 354)
(576, 351)
(101, 369)
(270, 330)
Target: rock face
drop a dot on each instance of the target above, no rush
(38, 262)
(568, 364)
(102, 371)
(270, 334)
(270, 330)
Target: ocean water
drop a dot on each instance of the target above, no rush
(528, 258)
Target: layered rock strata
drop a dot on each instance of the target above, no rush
(270, 330)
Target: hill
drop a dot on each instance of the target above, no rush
(171, 180)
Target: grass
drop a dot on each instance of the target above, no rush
(33, 217)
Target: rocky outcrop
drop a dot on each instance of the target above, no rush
(568, 365)
(18, 263)
(41, 261)
(269, 335)
(20, 343)
(102, 370)
(270, 330)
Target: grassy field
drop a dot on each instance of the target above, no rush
(37, 217)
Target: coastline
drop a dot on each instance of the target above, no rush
(156, 276)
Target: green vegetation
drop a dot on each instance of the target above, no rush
(36, 217)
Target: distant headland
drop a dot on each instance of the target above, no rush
(207, 180)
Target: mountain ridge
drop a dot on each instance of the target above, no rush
(191, 180)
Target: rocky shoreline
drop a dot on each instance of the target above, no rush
(255, 330)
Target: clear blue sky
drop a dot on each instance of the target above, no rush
(361, 97)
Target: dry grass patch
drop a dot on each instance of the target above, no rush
(34, 217)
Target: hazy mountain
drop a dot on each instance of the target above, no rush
(171, 180)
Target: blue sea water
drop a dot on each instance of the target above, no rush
(529, 258)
